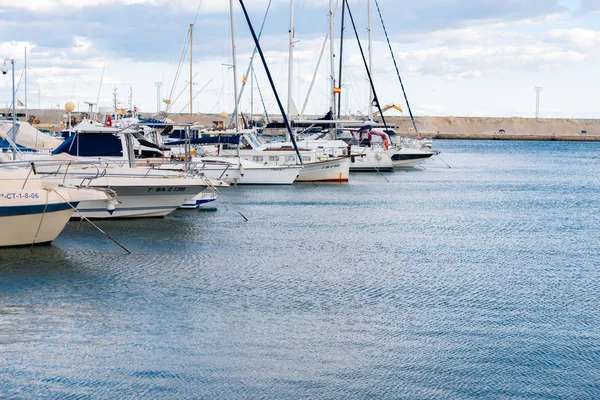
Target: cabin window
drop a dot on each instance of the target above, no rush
(290, 158)
(257, 158)
(305, 158)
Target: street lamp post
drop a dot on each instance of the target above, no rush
(14, 116)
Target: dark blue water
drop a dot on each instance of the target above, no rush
(479, 281)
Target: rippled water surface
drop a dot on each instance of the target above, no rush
(479, 281)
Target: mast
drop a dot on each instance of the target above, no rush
(339, 104)
(270, 78)
(291, 59)
(370, 58)
(375, 98)
(191, 78)
(26, 104)
(332, 56)
(235, 82)
(252, 94)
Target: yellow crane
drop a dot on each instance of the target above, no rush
(388, 107)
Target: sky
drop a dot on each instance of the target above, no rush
(455, 57)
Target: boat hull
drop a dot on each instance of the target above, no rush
(371, 161)
(30, 224)
(335, 170)
(269, 176)
(409, 158)
(142, 201)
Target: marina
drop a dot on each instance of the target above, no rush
(461, 282)
(294, 226)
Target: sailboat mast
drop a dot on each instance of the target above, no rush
(191, 78)
(252, 94)
(370, 58)
(339, 104)
(331, 56)
(291, 59)
(26, 104)
(235, 82)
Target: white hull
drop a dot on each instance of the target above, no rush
(139, 202)
(257, 174)
(156, 194)
(35, 211)
(409, 158)
(369, 160)
(19, 230)
(334, 170)
(200, 199)
(266, 175)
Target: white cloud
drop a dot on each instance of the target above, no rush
(190, 5)
(81, 45)
(578, 38)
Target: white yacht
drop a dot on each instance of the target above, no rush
(318, 165)
(109, 155)
(35, 211)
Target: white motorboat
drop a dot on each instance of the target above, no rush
(143, 191)
(407, 157)
(257, 174)
(35, 211)
(318, 164)
(361, 158)
(200, 199)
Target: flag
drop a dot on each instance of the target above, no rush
(244, 79)
(167, 101)
(337, 90)
(20, 103)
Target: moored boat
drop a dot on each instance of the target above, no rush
(35, 211)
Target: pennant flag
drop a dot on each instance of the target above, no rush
(244, 79)
(20, 103)
(337, 90)
(167, 101)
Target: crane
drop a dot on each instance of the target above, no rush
(388, 107)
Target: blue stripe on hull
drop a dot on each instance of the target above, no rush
(9, 211)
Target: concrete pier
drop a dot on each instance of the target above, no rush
(466, 128)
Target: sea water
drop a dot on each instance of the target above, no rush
(481, 280)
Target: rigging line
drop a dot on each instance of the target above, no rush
(262, 100)
(100, 88)
(193, 98)
(362, 53)
(229, 202)
(264, 62)
(178, 71)
(41, 219)
(312, 83)
(412, 118)
(197, 12)
(239, 99)
(18, 85)
(83, 217)
(180, 93)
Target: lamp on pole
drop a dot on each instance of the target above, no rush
(14, 116)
